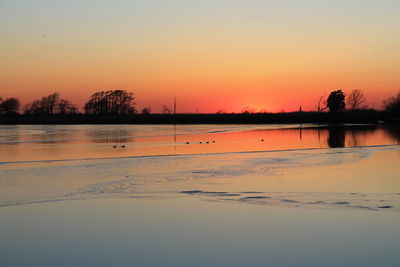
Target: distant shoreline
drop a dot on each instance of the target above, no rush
(362, 116)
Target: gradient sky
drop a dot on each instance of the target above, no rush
(209, 54)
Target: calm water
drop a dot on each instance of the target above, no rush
(49, 142)
(264, 195)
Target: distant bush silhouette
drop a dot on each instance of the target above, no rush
(51, 104)
(248, 110)
(146, 110)
(335, 101)
(392, 104)
(114, 102)
(356, 100)
(9, 106)
(221, 111)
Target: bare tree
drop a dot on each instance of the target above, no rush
(321, 102)
(110, 102)
(166, 110)
(9, 106)
(66, 107)
(33, 108)
(392, 104)
(356, 100)
(51, 104)
(45, 105)
(27, 108)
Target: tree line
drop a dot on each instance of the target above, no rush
(337, 102)
(111, 102)
(118, 102)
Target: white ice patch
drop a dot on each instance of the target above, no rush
(125, 177)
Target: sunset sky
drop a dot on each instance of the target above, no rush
(209, 54)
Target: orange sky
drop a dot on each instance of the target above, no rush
(269, 55)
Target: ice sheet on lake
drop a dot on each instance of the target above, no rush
(167, 174)
(306, 200)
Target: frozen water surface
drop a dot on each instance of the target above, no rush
(346, 173)
(45, 163)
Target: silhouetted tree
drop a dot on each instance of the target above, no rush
(166, 110)
(66, 107)
(146, 110)
(321, 101)
(392, 104)
(32, 108)
(51, 104)
(110, 102)
(9, 106)
(335, 101)
(356, 100)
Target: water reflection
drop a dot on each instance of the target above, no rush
(55, 134)
(48, 142)
(336, 137)
(356, 136)
(393, 132)
(115, 134)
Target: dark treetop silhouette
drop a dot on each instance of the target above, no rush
(113, 102)
(49, 105)
(392, 105)
(146, 110)
(9, 106)
(335, 101)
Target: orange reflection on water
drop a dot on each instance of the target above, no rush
(109, 142)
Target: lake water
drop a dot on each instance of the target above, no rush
(199, 195)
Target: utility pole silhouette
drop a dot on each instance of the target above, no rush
(174, 111)
(174, 105)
